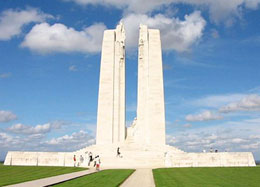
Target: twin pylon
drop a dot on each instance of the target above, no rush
(149, 126)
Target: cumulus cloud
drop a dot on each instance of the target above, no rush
(12, 21)
(33, 130)
(6, 116)
(253, 4)
(220, 10)
(25, 129)
(74, 141)
(248, 103)
(5, 139)
(251, 146)
(36, 142)
(216, 101)
(238, 140)
(44, 38)
(228, 136)
(170, 139)
(204, 116)
(176, 34)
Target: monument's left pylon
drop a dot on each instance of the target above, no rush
(111, 98)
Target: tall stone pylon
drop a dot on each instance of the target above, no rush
(150, 98)
(111, 98)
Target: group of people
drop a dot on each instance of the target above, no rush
(89, 159)
(211, 150)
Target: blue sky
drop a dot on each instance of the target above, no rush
(50, 59)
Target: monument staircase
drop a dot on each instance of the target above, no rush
(132, 155)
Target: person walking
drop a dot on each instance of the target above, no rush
(90, 158)
(118, 152)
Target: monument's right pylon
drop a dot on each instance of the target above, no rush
(150, 122)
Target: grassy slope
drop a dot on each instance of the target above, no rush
(16, 174)
(208, 177)
(104, 178)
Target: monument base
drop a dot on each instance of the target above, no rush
(132, 156)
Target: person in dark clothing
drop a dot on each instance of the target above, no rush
(118, 152)
(90, 158)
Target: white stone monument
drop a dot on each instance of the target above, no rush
(143, 144)
(111, 98)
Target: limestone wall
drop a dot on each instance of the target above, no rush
(133, 158)
(39, 158)
(224, 159)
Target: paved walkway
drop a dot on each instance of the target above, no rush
(140, 178)
(53, 180)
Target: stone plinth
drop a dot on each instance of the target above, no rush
(133, 156)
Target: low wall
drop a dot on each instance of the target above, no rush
(134, 159)
(225, 159)
(39, 158)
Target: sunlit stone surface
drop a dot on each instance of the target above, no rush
(143, 144)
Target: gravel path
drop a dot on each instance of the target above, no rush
(140, 178)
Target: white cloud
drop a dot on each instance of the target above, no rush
(254, 137)
(238, 140)
(12, 21)
(220, 10)
(204, 116)
(58, 124)
(25, 129)
(248, 103)
(71, 142)
(251, 146)
(176, 34)
(73, 68)
(33, 130)
(216, 101)
(229, 136)
(170, 139)
(6, 116)
(5, 139)
(253, 4)
(45, 38)
(36, 142)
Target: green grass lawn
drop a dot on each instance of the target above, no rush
(208, 177)
(112, 177)
(16, 174)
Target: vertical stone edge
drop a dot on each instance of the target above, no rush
(105, 111)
